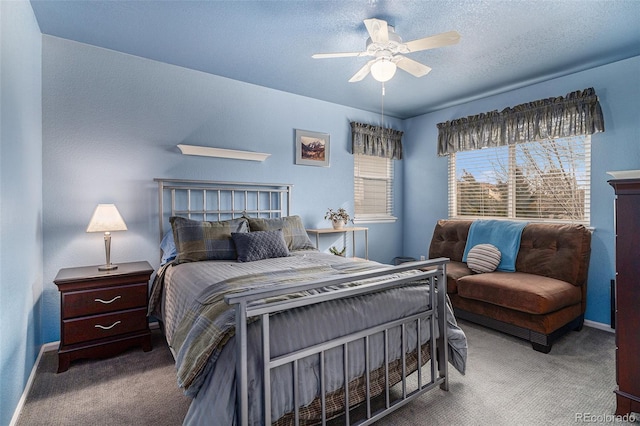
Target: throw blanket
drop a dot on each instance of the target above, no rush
(503, 234)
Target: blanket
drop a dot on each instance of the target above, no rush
(201, 329)
(503, 234)
(210, 322)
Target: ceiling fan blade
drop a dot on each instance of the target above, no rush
(362, 72)
(412, 67)
(338, 55)
(440, 40)
(378, 30)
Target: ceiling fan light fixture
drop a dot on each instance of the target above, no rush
(383, 70)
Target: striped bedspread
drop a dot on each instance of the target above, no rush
(199, 323)
(210, 322)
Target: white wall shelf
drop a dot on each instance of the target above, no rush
(205, 151)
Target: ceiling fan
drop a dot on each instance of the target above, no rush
(387, 48)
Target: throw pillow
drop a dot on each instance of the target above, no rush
(260, 245)
(483, 258)
(200, 240)
(294, 233)
(168, 247)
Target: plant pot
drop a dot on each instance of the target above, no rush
(338, 224)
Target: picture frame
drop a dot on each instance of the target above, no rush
(312, 148)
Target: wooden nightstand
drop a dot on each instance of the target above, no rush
(102, 313)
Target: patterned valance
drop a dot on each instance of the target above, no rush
(578, 113)
(375, 140)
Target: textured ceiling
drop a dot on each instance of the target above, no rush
(504, 44)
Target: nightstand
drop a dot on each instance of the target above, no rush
(102, 313)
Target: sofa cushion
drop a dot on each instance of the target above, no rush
(519, 291)
(456, 270)
(449, 239)
(483, 258)
(555, 251)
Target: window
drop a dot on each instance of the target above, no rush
(542, 180)
(373, 188)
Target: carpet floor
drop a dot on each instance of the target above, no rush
(507, 383)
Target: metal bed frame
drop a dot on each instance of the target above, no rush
(275, 201)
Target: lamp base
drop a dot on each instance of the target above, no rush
(109, 267)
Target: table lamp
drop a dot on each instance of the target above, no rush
(107, 219)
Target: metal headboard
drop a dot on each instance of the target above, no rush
(217, 200)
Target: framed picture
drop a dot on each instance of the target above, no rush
(312, 148)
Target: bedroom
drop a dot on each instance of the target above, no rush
(88, 125)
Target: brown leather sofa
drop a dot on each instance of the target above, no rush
(542, 300)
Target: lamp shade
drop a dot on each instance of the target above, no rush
(106, 218)
(383, 70)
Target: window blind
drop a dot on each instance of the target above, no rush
(541, 180)
(373, 187)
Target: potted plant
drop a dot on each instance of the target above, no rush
(334, 250)
(338, 218)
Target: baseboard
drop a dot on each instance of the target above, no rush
(44, 348)
(51, 346)
(599, 326)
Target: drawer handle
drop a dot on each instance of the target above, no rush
(107, 328)
(106, 302)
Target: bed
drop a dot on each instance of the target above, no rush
(264, 326)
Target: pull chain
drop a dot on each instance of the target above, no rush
(382, 109)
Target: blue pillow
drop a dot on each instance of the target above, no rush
(260, 245)
(168, 247)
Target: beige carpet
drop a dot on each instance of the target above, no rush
(507, 383)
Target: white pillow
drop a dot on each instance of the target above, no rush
(483, 258)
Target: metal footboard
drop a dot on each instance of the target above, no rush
(248, 306)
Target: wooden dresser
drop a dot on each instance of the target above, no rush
(102, 313)
(627, 230)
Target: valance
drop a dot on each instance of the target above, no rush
(375, 140)
(577, 113)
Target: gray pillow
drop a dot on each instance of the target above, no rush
(260, 245)
(483, 258)
(294, 233)
(200, 240)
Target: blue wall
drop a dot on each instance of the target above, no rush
(111, 123)
(83, 125)
(618, 148)
(20, 200)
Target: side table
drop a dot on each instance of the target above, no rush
(346, 230)
(102, 313)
